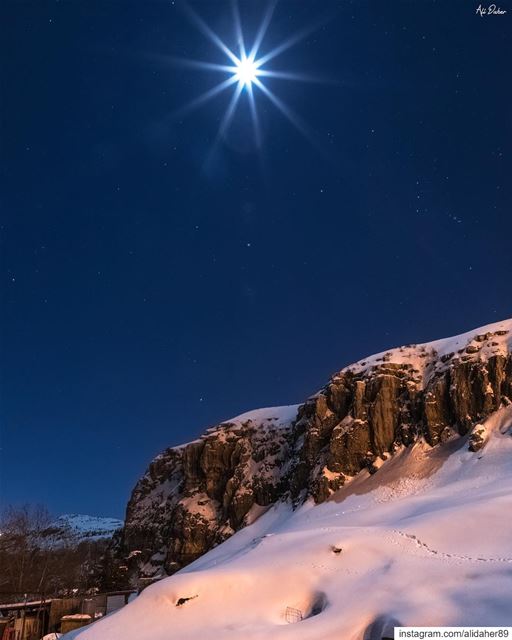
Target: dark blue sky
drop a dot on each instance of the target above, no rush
(147, 295)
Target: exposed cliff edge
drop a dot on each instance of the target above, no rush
(197, 495)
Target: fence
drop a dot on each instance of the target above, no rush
(293, 615)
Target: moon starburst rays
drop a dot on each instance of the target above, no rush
(245, 71)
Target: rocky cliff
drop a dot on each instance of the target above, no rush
(196, 495)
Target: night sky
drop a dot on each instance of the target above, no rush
(156, 278)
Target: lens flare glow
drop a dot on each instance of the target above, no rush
(246, 71)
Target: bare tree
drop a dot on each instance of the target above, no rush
(23, 562)
(39, 558)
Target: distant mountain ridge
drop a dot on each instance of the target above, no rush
(43, 556)
(195, 496)
(76, 528)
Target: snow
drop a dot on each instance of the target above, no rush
(88, 526)
(76, 528)
(425, 541)
(269, 416)
(433, 356)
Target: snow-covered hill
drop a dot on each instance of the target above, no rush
(76, 528)
(386, 500)
(426, 541)
(195, 496)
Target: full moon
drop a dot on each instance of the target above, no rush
(246, 71)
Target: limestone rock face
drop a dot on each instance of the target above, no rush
(357, 418)
(195, 496)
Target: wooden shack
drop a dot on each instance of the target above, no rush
(74, 621)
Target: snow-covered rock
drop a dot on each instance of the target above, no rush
(195, 496)
(424, 541)
(76, 528)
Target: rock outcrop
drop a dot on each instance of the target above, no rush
(195, 496)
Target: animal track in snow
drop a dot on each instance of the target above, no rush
(423, 545)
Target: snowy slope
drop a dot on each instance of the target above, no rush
(195, 496)
(426, 541)
(76, 528)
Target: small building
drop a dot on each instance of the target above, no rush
(28, 628)
(32, 619)
(74, 621)
(4, 622)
